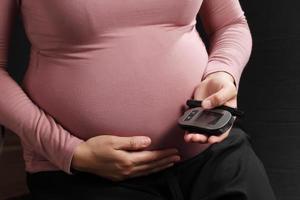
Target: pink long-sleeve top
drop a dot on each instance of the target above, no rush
(113, 67)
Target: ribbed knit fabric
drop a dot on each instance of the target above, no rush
(113, 67)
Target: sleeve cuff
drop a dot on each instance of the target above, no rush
(69, 155)
(217, 66)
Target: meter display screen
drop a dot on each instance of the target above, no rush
(209, 117)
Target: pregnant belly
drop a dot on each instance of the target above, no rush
(112, 94)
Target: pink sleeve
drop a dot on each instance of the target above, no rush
(18, 113)
(230, 41)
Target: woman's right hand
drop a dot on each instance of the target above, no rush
(118, 158)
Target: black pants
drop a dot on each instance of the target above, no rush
(227, 170)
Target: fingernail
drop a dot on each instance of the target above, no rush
(207, 103)
(146, 141)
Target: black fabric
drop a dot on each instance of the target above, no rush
(270, 91)
(227, 171)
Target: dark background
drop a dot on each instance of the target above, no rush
(269, 93)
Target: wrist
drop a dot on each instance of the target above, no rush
(222, 74)
(80, 158)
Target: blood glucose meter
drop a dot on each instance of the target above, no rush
(208, 121)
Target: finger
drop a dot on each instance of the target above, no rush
(195, 137)
(145, 173)
(199, 138)
(144, 157)
(156, 164)
(131, 143)
(219, 98)
(217, 139)
(187, 136)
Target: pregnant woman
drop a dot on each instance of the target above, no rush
(107, 80)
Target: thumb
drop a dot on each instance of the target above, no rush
(132, 143)
(218, 98)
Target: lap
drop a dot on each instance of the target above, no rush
(227, 170)
(57, 185)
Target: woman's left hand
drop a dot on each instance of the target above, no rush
(219, 89)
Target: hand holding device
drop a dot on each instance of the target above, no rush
(208, 121)
(218, 89)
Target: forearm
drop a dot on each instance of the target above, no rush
(230, 41)
(33, 125)
(230, 50)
